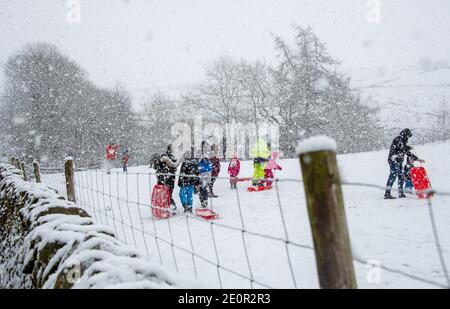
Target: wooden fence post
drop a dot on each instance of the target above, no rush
(24, 171)
(37, 171)
(70, 184)
(326, 213)
(13, 161)
(17, 164)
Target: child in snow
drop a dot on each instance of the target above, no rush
(205, 168)
(216, 168)
(260, 153)
(410, 159)
(188, 180)
(272, 165)
(233, 169)
(125, 157)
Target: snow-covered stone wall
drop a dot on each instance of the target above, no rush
(48, 242)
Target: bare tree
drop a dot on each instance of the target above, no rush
(52, 110)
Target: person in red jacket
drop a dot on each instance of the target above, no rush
(125, 157)
(111, 151)
(216, 168)
(272, 165)
(234, 168)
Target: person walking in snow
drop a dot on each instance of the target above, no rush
(410, 159)
(166, 166)
(397, 153)
(234, 168)
(188, 180)
(205, 168)
(270, 167)
(260, 153)
(125, 158)
(216, 168)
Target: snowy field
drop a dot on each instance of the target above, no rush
(395, 233)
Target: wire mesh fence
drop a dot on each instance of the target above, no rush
(260, 243)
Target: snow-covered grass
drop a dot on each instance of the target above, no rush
(48, 242)
(394, 233)
(316, 143)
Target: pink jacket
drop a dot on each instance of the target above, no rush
(234, 167)
(272, 164)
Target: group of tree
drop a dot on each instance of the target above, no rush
(50, 109)
(304, 94)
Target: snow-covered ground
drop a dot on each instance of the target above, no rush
(395, 233)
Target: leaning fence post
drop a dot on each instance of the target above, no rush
(37, 171)
(24, 171)
(70, 184)
(326, 211)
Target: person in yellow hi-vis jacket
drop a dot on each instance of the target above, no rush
(261, 154)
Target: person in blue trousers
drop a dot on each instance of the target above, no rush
(205, 168)
(397, 153)
(188, 180)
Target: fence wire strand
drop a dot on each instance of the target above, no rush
(88, 193)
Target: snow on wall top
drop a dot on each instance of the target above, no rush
(60, 239)
(316, 143)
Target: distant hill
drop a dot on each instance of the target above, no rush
(406, 97)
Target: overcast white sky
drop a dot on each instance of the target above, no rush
(166, 43)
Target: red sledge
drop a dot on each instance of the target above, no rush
(257, 189)
(421, 182)
(206, 213)
(161, 202)
(244, 179)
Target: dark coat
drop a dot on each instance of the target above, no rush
(166, 174)
(216, 166)
(188, 168)
(399, 147)
(410, 158)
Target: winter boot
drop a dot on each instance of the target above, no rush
(173, 207)
(401, 195)
(388, 196)
(204, 204)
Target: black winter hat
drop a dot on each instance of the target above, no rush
(406, 133)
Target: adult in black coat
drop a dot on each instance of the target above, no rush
(396, 156)
(166, 166)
